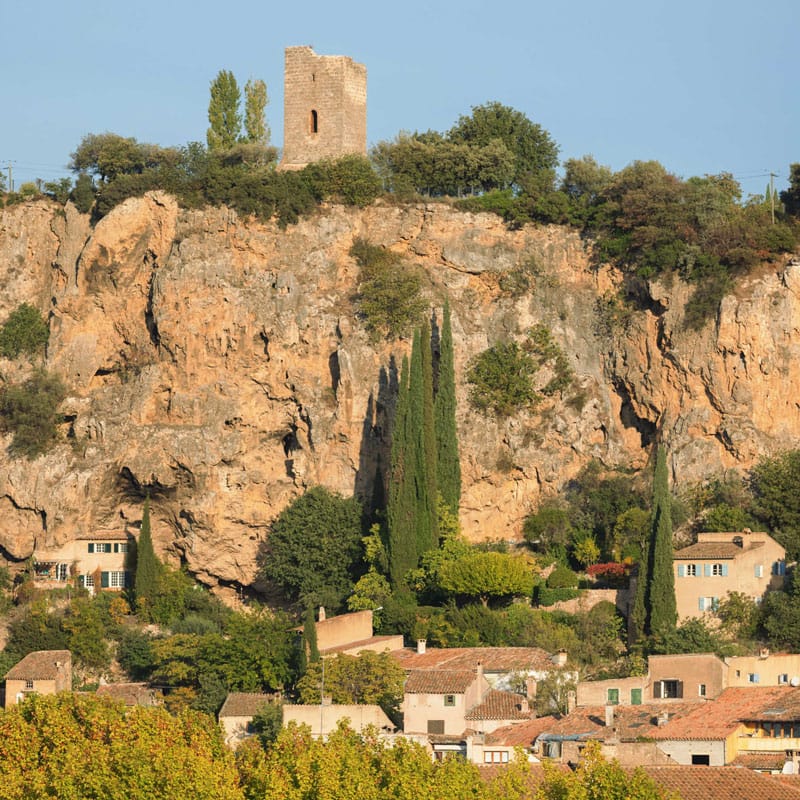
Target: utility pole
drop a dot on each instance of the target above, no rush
(10, 179)
(772, 177)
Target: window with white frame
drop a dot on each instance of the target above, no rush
(116, 580)
(753, 677)
(716, 569)
(701, 690)
(29, 683)
(708, 603)
(495, 756)
(759, 570)
(88, 580)
(691, 570)
(783, 678)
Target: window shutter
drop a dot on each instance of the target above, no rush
(636, 697)
(91, 547)
(81, 580)
(657, 690)
(698, 570)
(701, 603)
(724, 570)
(104, 580)
(707, 570)
(116, 547)
(680, 688)
(681, 570)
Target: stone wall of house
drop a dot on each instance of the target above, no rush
(324, 107)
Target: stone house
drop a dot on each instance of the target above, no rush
(350, 634)
(97, 560)
(323, 720)
(237, 712)
(719, 563)
(764, 669)
(40, 672)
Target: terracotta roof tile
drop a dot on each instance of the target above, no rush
(243, 704)
(41, 665)
(721, 783)
(717, 719)
(500, 705)
(365, 643)
(761, 761)
(520, 734)
(493, 659)
(439, 681)
(132, 694)
(708, 550)
(630, 722)
(105, 536)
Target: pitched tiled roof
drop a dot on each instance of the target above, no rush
(439, 681)
(243, 704)
(105, 536)
(40, 665)
(718, 718)
(761, 761)
(721, 783)
(361, 643)
(709, 550)
(132, 694)
(520, 734)
(500, 705)
(630, 722)
(493, 659)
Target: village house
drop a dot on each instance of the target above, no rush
(757, 727)
(237, 712)
(323, 720)
(97, 560)
(719, 563)
(40, 672)
(350, 634)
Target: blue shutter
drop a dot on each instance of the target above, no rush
(91, 547)
(707, 570)
(724, 570)
(104, 580)
(681, 570)
(700, 604)
(781, 568)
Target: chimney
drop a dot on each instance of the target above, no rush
(663, 719)
(422, 645)
(530, 687)
(572, 701)
(321, 614)
(559, 658)
(479, 670)
(763, 652)
(609, 716)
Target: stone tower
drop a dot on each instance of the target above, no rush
(324, 107)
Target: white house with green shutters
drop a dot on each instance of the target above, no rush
(96, 560)
(719, 563)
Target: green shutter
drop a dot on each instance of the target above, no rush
(91, 547)
(613, 697)
(104, 580)
(636, 697)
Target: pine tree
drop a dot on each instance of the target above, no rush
(225, 121)
(448, 465)
(255, 102)
(147, 565)
(661, 606)
(400, 510)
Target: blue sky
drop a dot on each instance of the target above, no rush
(703, 87)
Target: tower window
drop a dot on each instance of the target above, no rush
(313, 122)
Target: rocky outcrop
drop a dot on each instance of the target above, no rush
(218, 364)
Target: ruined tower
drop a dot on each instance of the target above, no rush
(324, 107)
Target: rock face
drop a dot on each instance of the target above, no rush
(218, 364)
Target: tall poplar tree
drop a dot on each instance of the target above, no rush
(225, 121)
(448, 464)
(147, 565)
(661, 604)
(255, 102)
(400, 509)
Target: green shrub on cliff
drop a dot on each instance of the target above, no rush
(29, 410)
(25, 331)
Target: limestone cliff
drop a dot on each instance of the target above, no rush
(218, 363)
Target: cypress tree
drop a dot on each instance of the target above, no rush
(310, 650)
(421, 445)
(448, 464)
(147, 565)
(400, 510)
(661, 606)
